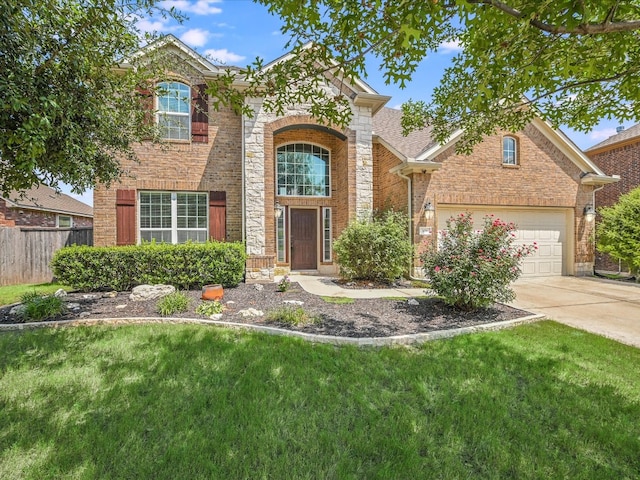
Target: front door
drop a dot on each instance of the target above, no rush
(304, 239)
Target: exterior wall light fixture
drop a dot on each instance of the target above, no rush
(589, 213)
(429, 210)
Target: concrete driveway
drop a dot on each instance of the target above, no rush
(603, 307)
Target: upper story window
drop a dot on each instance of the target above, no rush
(302, 170)
(509, 151)
(174, 110)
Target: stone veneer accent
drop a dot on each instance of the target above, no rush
(259, 180)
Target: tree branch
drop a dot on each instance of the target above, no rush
(608, 26)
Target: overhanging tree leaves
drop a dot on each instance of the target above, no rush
(576, 61)
(67, 112)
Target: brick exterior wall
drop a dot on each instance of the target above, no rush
(26, 217)
(389, 191)
(544, 177)
(182, 166)
(623, 160)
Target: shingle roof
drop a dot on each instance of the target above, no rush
(626, 134)
(386, 124)
(46, 198)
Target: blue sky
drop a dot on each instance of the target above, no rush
(235, 32)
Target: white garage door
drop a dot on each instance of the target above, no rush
(547, 228)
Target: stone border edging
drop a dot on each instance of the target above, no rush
(408, 339)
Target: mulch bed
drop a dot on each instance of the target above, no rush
(378, 317)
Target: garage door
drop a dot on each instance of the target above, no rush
(547, 228)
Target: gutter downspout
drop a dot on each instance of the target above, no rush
(243, 195)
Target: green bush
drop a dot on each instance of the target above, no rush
(38, 307)
(184, 266)
(618, 232)
(175, 302)
(473, 269)
(209, 308)
(378, 249)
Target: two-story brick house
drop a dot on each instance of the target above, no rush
(617, 155)
(287, 186)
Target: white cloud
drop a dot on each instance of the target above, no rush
(196, 37)
(150, 25)
(199, 7)
(397, 107)
(602, 134)
(450, 47)
(223, 56)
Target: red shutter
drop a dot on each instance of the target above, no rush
(146, 103)
(218, 216)
(199, 114)
(125, 217)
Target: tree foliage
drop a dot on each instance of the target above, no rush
(68, 113)
(576, 61)
(618, 232)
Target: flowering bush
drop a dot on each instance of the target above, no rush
(284, 284)
(473, 269)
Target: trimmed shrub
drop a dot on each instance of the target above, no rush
(184, 266)
(473, 269)
(378, 249)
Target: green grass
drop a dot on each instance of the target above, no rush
(290, 315)
(11, 293)
(338, 300)
(182, 401)
(402, 298)
(420, 284)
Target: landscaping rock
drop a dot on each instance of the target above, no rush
(89, 296)
(121, 306)
(259, 287)
(251, 312)
(150, 292)
(60, 293)
(85, 314)
(413, 301)
(293, 302)
(216, 316)
(17, 310)
(73, 306)
(110, 294)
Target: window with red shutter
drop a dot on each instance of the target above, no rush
(199, 114)
(125, 217)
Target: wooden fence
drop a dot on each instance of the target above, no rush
(25, 252)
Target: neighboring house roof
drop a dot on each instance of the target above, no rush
(47, 199)
(628, 135)
(418, 150)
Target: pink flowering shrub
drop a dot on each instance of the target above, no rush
(474, 269)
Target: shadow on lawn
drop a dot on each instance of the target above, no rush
(168, 401)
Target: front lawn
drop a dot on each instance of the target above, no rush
(11, 293)
(183, 401)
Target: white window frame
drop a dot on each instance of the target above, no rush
(281, 193)
(165, 86)
(58, 217)
(174, 215)
(505, 160)
(327, 227)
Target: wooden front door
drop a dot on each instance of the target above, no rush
(304, 239)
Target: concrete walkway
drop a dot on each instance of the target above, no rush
(604, 307)
(326, 287)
